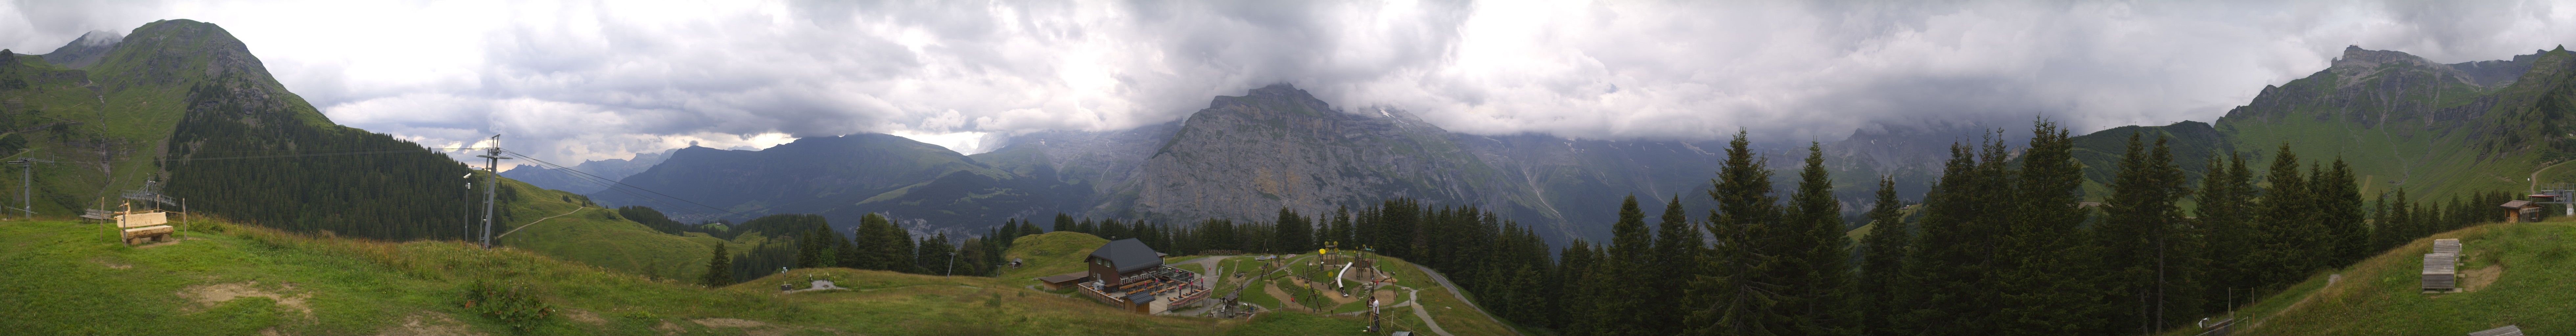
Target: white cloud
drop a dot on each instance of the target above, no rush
(571, 81)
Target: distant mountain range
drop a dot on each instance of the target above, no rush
(1244, 158)
(572, 179)
(2400, 121)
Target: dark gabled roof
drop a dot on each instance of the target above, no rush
(2516, 204)
(1128, 254)
(1140, 298)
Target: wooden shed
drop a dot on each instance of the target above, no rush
(2523, 211)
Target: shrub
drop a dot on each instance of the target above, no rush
(511, 305)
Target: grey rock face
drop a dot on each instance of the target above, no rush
(1247, 156)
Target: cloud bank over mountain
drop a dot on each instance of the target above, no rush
(573, 81)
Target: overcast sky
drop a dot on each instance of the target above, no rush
(574, 81)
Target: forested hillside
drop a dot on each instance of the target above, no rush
(183, 108)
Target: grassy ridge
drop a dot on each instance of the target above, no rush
(2381, 295)
(574, 229)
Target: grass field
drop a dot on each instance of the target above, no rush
(69, 278)
(2381, 295)
(565, 226)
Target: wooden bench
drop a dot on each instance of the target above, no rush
(150, 226)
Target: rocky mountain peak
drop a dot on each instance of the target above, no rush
(86, 50)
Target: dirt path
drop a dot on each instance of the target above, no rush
(1456, 291)
(1290, 301)
(1416, 296)
(539, 220)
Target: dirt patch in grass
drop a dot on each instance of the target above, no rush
(584, 316)
(111, 264)
(1288, 301)
(668, 328)
(210, 295)
(2478, 278)
(434, 325)
(1329, 295)
(729, 323)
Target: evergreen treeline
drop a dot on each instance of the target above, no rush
(2004, 244)
(377, 194)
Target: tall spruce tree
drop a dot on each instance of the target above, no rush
(1883, 256)
(2338, 200)
(1736, 295)
(2045, 282)
(1817, 300)
(2285, 236)
(1573, 281)
(2143, 237)
(2226, 209)
(719, 269)
(1624, 305)
(1953, 254)
(1677, 245)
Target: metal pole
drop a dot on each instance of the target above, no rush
(26, 188)
(952, 265)
(491, 186)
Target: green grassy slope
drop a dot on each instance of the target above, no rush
(574, 229)
(2382, 296)
(69, 278)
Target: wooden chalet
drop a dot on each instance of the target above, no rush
(1128, 274)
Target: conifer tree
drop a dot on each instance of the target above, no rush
(1736, 295)
(2284, 243)
(1292, 231)
(2144, 237)
(1883, 256)
(1952, 254)
(1573, 280)
(1677, 245)
(2226, 210)
(719, 269)
(1817, 299)
(2044, 283)
(2339, 209)
(1063, 222)
(1623, 306)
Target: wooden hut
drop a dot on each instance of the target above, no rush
(2522, 211)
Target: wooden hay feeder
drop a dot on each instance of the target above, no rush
(146, 227)
(2441, 271)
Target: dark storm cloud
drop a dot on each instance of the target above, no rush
(574, 81)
